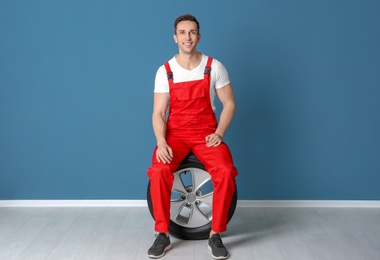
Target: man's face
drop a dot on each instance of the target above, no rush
(187, 36)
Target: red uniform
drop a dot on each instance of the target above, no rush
(190, 120)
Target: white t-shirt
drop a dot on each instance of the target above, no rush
(219, 76)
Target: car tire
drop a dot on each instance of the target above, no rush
(190, 216)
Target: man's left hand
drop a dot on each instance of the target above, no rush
(213, 140)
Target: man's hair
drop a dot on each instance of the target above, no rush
(185, 17)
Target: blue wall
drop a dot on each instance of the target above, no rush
(76, 83)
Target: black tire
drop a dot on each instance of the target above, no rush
(189, 204)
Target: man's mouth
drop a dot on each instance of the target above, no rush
(187, 44)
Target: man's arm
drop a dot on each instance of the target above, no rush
(164, 152)
(226, 97)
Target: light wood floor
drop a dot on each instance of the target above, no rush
(127, 233)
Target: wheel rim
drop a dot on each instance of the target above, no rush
(192, 193)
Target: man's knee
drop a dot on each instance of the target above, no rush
(223, 172)
(160, 172)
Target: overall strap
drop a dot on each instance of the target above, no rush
(208, 67)
(169, 72)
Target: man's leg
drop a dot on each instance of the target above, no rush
(161, 182)
(218, 162)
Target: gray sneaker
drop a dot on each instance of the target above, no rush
(160, 246)
(215, 245)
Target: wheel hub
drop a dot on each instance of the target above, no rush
(191, 197)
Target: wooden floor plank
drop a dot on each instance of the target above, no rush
(51, 234)
(261, 234)
(11, 219)
(15, 245)
(77, 235)
(102, 237)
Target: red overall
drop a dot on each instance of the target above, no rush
(190, 120)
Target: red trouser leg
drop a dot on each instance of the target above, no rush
(218, 162)
(161, 182)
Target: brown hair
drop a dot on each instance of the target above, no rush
(185, 17)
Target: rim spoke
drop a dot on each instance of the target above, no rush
(176, 208)
(197, 218)
(199, 177)
(206, 199)
(178, 184)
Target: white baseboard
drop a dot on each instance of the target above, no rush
(310, 203)
(240, 203)
(73, 203)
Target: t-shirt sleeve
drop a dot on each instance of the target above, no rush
(161, 84)
(222, 78)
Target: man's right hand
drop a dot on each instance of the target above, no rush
(164, 153)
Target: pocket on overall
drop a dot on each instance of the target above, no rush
(189, 93)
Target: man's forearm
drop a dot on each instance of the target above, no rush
(226, 117)
(159, 128)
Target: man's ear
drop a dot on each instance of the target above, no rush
(175, 38)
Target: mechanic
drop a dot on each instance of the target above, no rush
(186, 86)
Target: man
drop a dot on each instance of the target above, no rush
(187, 85)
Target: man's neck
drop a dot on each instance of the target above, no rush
(189, 61)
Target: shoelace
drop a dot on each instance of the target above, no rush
(158, 241)
(217, 241)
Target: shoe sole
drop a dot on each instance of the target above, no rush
(159, 256)
(218, 257)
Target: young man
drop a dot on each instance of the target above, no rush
(187, 85)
